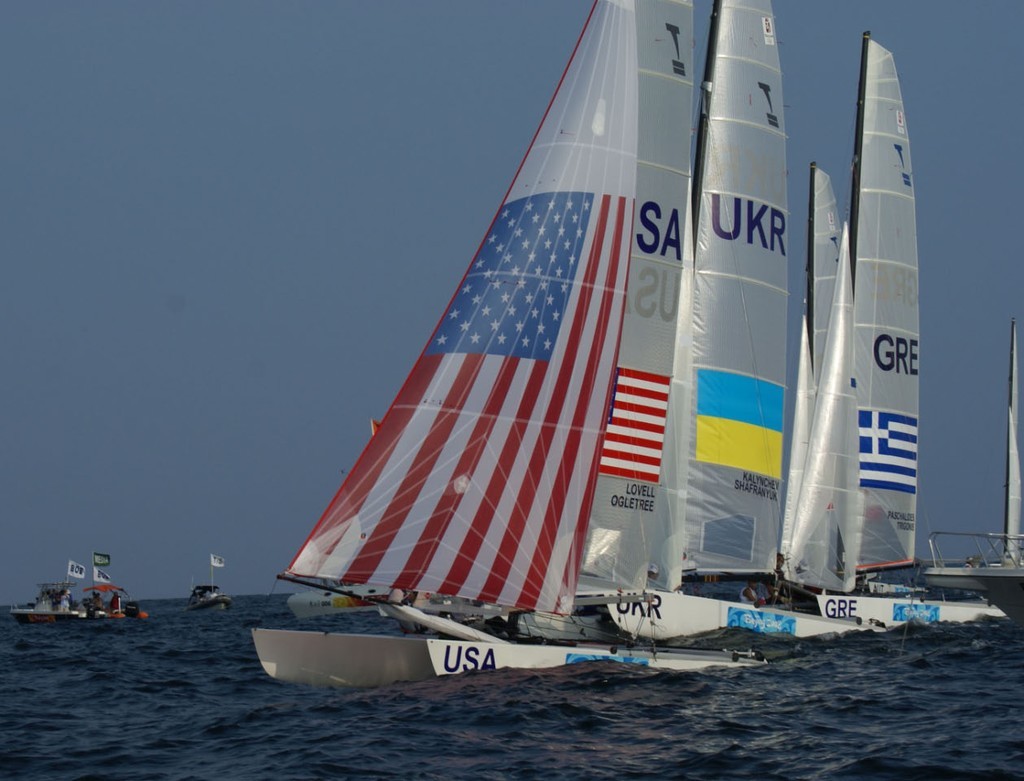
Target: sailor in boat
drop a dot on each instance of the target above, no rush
(115, 602)
(751, 595)
(400, 597)
(778, 590)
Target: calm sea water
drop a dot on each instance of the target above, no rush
(183, 696)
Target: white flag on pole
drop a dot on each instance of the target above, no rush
(100, 576)
(75, 570)
(216, 561)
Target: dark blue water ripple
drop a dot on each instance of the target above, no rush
(182, 696)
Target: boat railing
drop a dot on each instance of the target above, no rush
(985, 550)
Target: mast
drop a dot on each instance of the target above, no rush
(1009, 437)
(858, 149)
(1011, 495)
(706, 85)
(809, 266)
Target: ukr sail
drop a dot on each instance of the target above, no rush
(739, 298)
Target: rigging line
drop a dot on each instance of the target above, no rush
(646, 615)
(266, 603)
(903, 639)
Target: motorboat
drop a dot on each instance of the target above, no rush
(207, 596)
(55, 603)
(52, 604)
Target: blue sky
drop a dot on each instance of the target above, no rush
(228, 229)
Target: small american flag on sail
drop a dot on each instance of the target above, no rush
(636, 426)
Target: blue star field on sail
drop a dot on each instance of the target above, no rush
(513, 299)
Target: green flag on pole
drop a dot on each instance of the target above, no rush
(100, 559)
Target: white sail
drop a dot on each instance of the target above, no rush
(825, 539)
(630, 519)
(884, 245)
(800, 434)
(1012, 510)
(739, 298)
(822, 260)
(825, 238)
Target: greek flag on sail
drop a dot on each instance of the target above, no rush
(888, 451)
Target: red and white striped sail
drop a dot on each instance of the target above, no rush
(480, 479)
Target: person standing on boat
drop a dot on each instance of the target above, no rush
(65, 601)
(775, 590)
(115, 602)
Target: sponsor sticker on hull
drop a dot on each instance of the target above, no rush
(756, 621)
(907, 611)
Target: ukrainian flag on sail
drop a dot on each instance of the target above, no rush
(739, 422)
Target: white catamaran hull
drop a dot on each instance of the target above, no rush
(672, 615)
(1003, 586)
(324, 659)
(891, 611)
